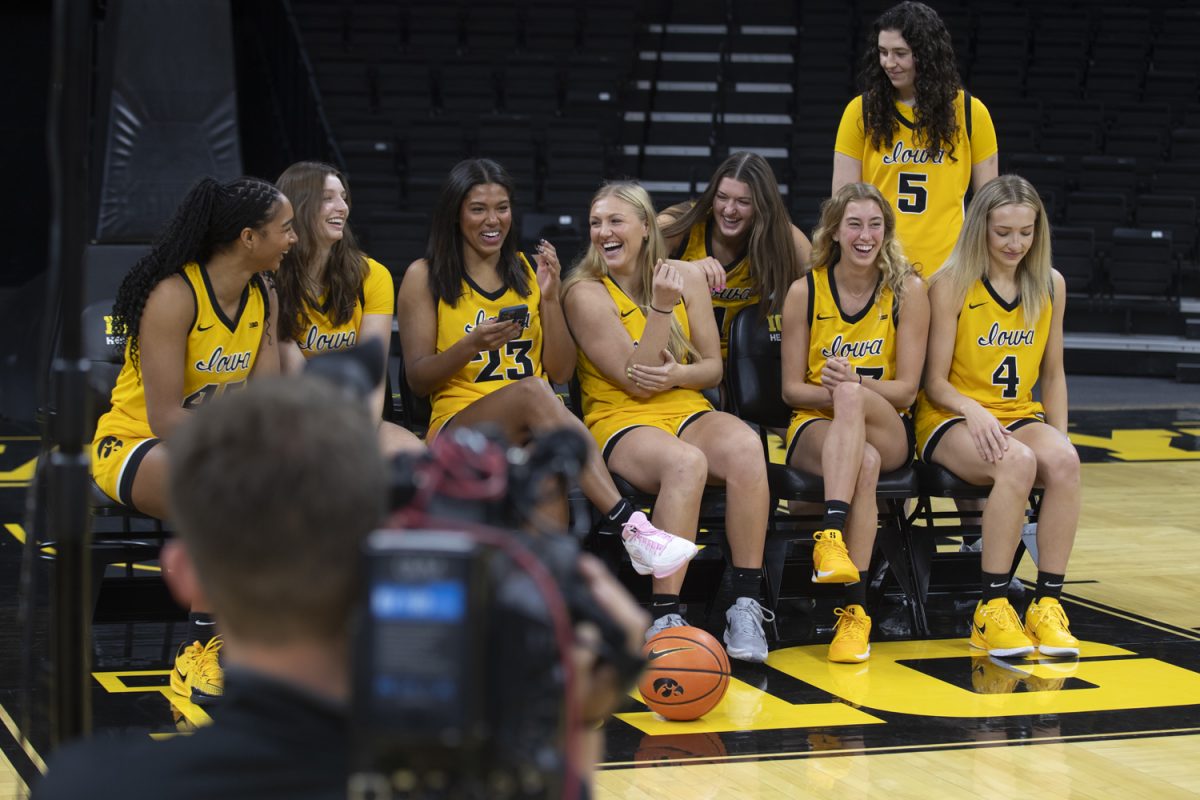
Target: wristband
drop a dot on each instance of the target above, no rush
(659, 310)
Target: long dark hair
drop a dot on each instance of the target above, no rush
(936, 82)
(444, 253)
(771, 249)
(211, 215)
(304, 184)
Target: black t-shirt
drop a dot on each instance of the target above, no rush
(269, 740)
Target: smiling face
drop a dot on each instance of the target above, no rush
(1010, 232)
(617, 232)
(271, 242)
(733, 208)
(896, 59)
(485, 219)
(333, 212)
(860, 234)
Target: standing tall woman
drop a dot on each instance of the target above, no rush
(914, 133)
(739, 235)
(648, 344)
(482, 367)
(198, 320)
(331, 295)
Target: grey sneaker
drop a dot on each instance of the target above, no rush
(664, 622)
(744, 637)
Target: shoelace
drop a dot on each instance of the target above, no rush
(1054, 614)
(205, 666)
(750, 617)
(852, 623)
(1005, 616)
(653, 541)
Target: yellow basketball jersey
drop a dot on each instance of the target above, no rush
(867, 339)
(739, 290)
(997, 359)
(926, 189)
(376, 296)
(490, 369)
(220, 355)
(604, 400)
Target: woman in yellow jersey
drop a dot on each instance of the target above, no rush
(996, 330)
(648, 344)
(331, 295)
(854, 332)
(739, 235)
(198, 320)
(481, 368)
(915, 133)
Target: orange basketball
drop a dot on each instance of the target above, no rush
(687, 673)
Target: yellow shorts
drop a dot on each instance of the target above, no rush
(609, 431)
(115, 461)
(801, 419)
(932, 424)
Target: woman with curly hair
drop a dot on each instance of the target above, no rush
(331, 295)
(854, 332)
(739, 235)
(915, 133)
(198, 320)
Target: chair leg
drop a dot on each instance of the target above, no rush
(774, 555)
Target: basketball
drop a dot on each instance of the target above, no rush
(687, 673)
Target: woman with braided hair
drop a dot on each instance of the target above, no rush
(915, 133)
(198, 320)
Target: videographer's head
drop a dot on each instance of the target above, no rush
(272, 488)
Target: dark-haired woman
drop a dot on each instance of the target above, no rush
(482, 369)
(331, 295)
(198, 320)
(739, 235)
(912, 133)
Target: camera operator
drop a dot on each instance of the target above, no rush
(272, 491)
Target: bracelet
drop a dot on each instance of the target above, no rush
(659, 310)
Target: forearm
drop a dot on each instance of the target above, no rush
(806, 395)
(558, 347)
(655, 338)
(428, 373)
(942, 394)
(703, 374)
(900, 394)
(1054, 401)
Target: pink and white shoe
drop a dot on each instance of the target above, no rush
(653, 551)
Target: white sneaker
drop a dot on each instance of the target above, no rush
(653, 551)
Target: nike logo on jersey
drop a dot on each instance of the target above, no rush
(822, 319)
(627, 313)
(203, 328)
(973, 306)
(654, 655)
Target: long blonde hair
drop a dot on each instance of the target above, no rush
(891, 260)
(591, 265)
(969, 260)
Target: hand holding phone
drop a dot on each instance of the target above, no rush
(518, 314)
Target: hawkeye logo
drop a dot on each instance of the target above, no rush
(107, 446)
(667, 687)
(111, 337)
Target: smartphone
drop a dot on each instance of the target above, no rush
(518, 314)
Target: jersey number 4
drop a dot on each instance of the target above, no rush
(518, 351)
(208, 391)
(911, 195)
(1006, 375)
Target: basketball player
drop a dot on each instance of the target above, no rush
(332, 296)
(482, 329)
(915, 133)
(854, 332)
(739, 235)
(996, 330)
(648, 344)
(199, 320)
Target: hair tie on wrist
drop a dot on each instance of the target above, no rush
(659, 310)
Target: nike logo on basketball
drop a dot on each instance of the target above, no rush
(203, 328)
(657, 654)
(627, 313)
(822, 319)
(974, 306)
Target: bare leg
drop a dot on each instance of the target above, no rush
(1058, 472)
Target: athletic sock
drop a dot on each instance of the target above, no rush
(747, 582)
(617, 516)
(201, 627)
(856, 593)
(995, 584)
(663, 604)
(835, 515)
(1048, 585)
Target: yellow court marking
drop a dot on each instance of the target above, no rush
(18, 533)
(11, 725)
(1150, 444)
(114, 683)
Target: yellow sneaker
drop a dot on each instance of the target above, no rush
(831, 560)
(197, 674)
(996, 628)
(851, 643)
(1046, 626)
(991, 675)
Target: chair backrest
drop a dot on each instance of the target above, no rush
(754, 369)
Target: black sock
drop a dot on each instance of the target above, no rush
(856, 593)
(747, 582)
(201, 627)
(835, 515)
(995, 584)
(663, 604)
(1048, 585)
(618, 515)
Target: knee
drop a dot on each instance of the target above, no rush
(1060, 465)
(689, 466)
(847, 398)
(1019, 465)
(868, 470)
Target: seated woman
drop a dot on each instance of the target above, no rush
(996, 330)
(854, 333)
(482, 329)
(648, 344)
(331, 295)
(739, 235)
(198, 320)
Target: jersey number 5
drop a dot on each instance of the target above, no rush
(912, 196)
(1006, 375)
(518, 351)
